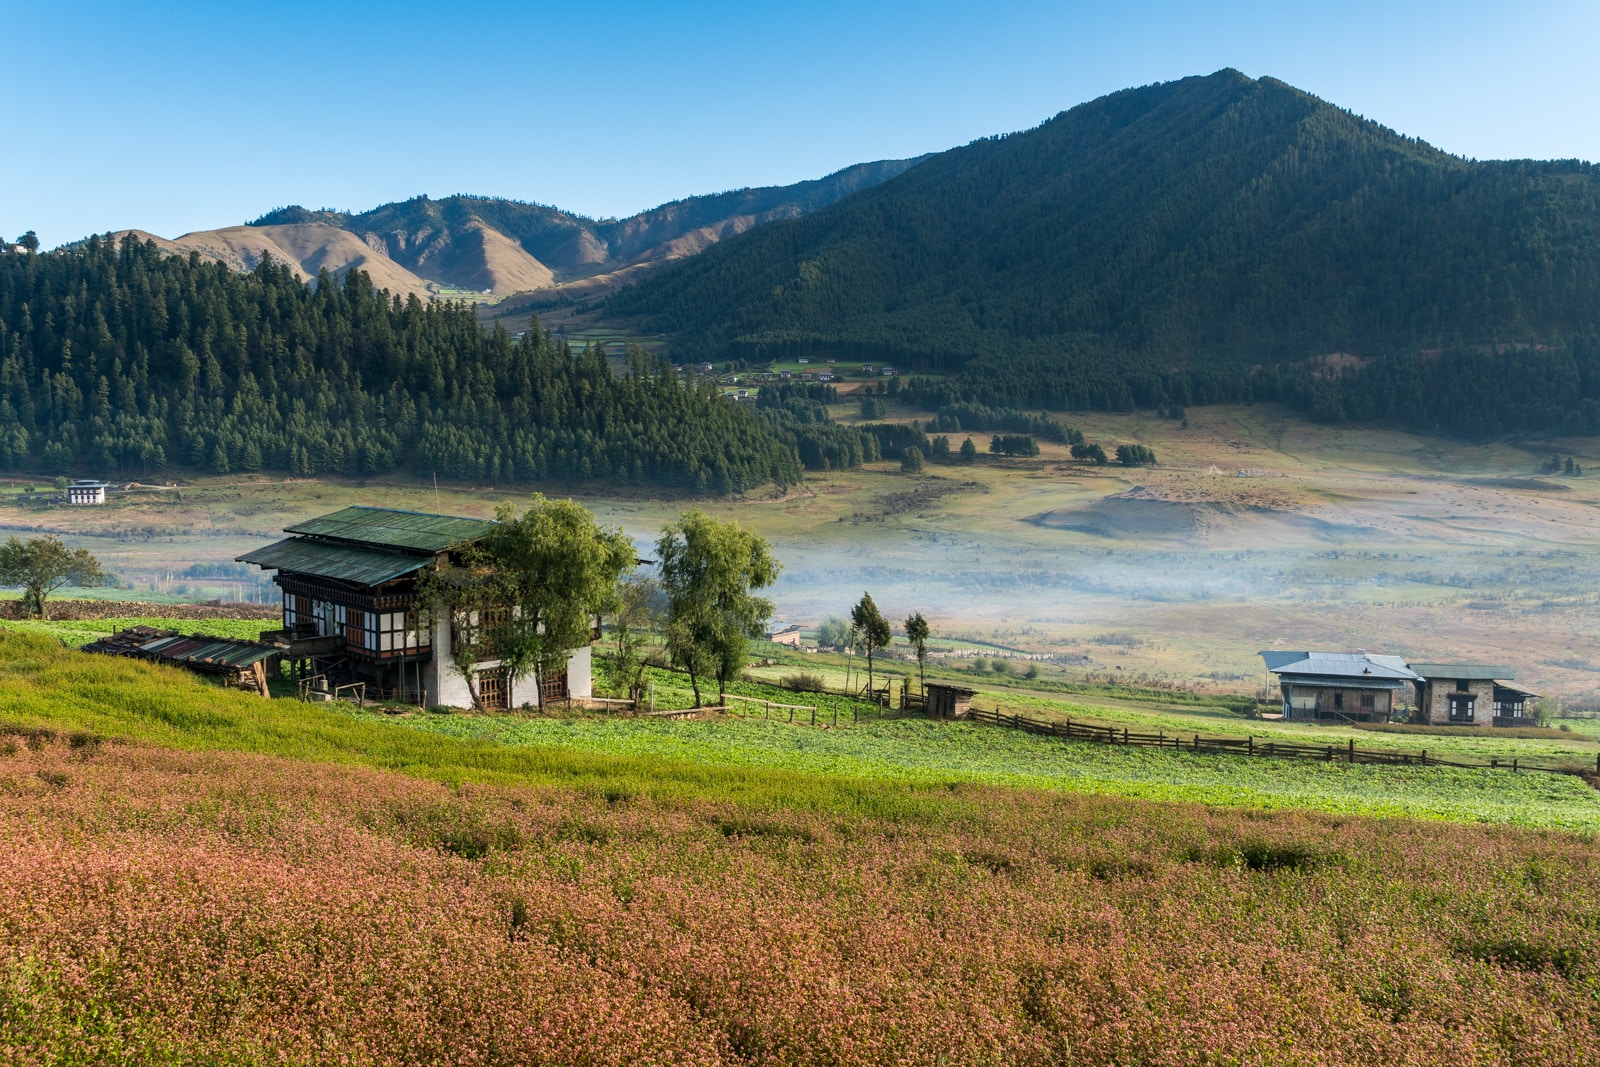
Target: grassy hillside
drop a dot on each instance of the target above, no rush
(188, 899)
(1204, 226)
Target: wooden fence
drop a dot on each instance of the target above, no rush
(1251, 746)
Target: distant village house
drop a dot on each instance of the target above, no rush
(1360, 687)
(1470, 694)
(784, 633)
(1338, 685)
(86, 491)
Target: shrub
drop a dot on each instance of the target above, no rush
(803, 683)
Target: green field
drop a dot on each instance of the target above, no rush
(933, 753)
(79, 632)
(747, 759)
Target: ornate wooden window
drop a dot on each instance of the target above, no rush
(553, 685)
(494, 690)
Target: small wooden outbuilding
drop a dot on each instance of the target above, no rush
(948, 701)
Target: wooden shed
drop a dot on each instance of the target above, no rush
(948, 701)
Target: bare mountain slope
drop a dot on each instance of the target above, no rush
(306, 247)
(495, 248)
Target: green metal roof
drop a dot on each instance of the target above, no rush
(363, 566)
(412, 531)
(1472, 672)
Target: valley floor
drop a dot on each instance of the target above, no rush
(1257, 530)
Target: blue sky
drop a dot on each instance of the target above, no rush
(189, 115)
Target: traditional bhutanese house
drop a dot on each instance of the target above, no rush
(1338, 685)
(948, 701)
(86, 491)
(1470, 694)
(784, 633)
(350, 610)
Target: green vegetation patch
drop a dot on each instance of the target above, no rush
(915, 750)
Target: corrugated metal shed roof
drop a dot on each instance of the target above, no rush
(364, 566)
(1338, 665)
(215, 652)
(414, 531)
(1469, 671)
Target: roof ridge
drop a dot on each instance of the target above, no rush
(410, 511)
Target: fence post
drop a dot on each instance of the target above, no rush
(813, 715)
(1513, 764)
(1124, 735)
(1197, 742)
(1424, 757)
(1252, 745)
(1352, 750)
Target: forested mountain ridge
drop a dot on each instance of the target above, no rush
(1190, 240)
(495, 247)
(116, 358)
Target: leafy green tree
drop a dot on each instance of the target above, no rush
(1135, 456)
(969, 451)
(530, 592)
(917, 633)
(911, 461)
(560, 571)
(471, 594)
(41, 565)
(638, 611)
(872, 629)
(708, 571)
(29, 241)
(940, 452)
(833, 633)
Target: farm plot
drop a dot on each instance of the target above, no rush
(914, 750)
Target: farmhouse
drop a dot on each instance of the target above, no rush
(351, 610)
(784, 633)
(1470, 694)
(1338, 685)
(86, 491)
